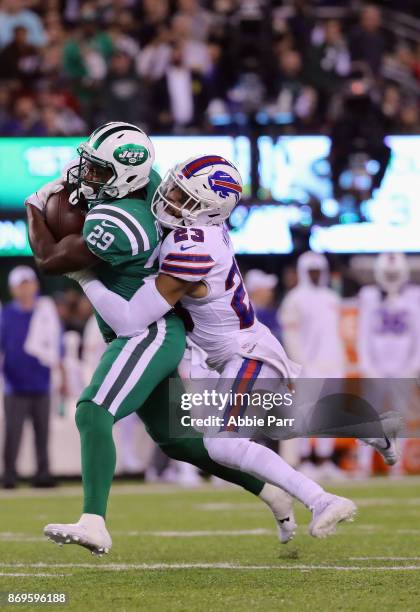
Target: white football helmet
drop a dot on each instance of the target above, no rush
(391, 271)
(203, 190)
(313, 261)
(116, 159)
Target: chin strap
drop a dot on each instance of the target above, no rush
(83, 190)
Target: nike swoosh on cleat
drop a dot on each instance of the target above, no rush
(388, 443)
(284, 520)
(186, 248)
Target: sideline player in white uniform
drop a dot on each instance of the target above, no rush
(388, 338)
(198, 267)
(310, 319)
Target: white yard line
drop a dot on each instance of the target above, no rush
(76, 491)
(119, 567)
(196, 534)
(385, 501)
(8, 536)
(377, 482)
(21, 537)
(228, 506)
(384, 558)
(362, 502)
(27, 575)
(142, 488)
(365, 529)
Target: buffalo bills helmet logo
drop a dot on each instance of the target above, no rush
(223, 184)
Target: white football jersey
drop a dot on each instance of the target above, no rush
(310, 317)
(389, 333)
(224, 320)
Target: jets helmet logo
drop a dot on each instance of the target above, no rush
(131, 154)
(224, 185)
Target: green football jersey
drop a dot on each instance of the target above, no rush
(125, 235)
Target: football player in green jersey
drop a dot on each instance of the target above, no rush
(120, 237)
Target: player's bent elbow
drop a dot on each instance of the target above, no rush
(49, 266)
(44, 266)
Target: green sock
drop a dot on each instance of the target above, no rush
(98, 455)
(192, 450)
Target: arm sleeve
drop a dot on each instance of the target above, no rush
(127, 318)
(187, 254)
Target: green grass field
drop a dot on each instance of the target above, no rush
(216, 549)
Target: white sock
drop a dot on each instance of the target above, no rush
(261, 462)
(277, 500)
(92, 520)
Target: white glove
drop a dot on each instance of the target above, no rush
(40, 197)
(81, 276)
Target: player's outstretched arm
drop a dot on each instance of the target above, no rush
(51, 257)
(129, 317)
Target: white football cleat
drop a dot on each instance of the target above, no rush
(285, 518)
(328, 511)
(90, 532)
(286, 527)
(281, 505)
(387, 446)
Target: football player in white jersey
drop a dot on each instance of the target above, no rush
(198, 267)
(388, 338)
(389, 330)
(310, 319)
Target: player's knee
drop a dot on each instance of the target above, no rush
(173, 449)
(215, 449)
(227, 451)
(90, 417)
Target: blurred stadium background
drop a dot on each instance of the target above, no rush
(317, 103)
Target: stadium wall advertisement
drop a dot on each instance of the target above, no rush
(291, 182)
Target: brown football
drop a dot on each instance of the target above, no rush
(62, 217)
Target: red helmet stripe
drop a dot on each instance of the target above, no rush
(203, 162)
(233, 186)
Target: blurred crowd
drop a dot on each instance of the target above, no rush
(190, 65)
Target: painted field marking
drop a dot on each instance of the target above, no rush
(9, 536)
(163, 489)
(384, 558)
(27, 575)
(196, 534)
(119, 567)
(22, 537)
(365, 529)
